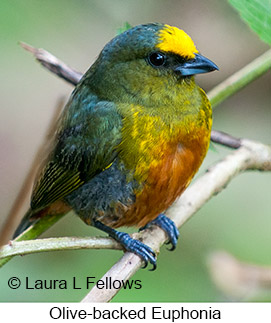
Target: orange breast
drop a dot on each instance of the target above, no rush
(167, 180)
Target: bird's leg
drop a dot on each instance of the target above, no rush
(130, 244)
(168, 226)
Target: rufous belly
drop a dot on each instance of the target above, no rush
(165, 182)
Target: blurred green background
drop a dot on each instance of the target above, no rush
(237, 220)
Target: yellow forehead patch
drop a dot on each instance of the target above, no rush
(174, 40)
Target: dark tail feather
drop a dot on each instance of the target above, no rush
(26, 222)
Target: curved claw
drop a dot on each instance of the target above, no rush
(169, 227)
(137, 247)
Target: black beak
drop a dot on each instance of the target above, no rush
(198, 65)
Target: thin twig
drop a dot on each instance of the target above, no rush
(53, 64)
(225, 139)
(15, 248)
(34, 231)
(240, 79)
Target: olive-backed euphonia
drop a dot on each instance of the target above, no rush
(131, 137)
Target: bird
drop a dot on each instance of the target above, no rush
(131, 137)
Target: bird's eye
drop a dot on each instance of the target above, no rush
(156, 59)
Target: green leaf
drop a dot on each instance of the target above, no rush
(125, 27)
(257, 14)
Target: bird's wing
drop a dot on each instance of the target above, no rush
(83, 147)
